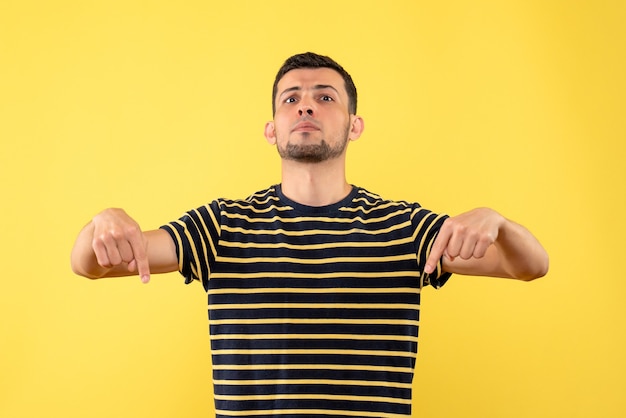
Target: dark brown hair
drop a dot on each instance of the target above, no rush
(312, 60)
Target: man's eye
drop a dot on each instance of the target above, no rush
(290, 100)
(327, 99)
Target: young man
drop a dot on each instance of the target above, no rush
(313, 284)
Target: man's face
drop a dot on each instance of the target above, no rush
(312, 122)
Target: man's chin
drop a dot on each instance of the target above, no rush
(304, 157)
(310, 153)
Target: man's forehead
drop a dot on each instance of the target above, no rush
(309, 77)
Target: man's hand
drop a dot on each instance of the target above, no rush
(118, 241)
(467, 236)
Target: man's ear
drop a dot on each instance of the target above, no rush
(270, 133)
(356, 127)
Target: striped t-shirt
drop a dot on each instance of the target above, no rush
(313, 311)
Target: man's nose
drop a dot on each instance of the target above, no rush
(305, 109)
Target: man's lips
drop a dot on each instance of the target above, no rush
(305, 127)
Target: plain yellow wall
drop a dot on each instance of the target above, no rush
(159, 107)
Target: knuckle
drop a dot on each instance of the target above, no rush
(96, 241)
(102, 240)
(131, 230)
(116, 234)
(485, 239)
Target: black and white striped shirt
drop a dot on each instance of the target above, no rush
(314, 311)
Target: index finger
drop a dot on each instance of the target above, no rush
(139, 248)
(438, 249)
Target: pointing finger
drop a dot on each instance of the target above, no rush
(139, 247)
(438, 249)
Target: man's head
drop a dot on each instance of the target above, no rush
(312, 60)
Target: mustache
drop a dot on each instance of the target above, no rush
(306, 120)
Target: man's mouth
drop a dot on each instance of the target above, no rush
(305, 127)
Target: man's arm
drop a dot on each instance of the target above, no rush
(113, 245)
(482, 242)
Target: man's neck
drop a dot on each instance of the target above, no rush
(315, 184)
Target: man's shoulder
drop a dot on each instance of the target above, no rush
(368, 198)
(264, 198)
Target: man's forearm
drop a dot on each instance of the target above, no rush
(481, 242)
(522, 256)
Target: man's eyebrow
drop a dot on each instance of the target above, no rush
(315, 87)
(324, 86)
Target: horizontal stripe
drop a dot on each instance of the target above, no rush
(397, 206)
(275, 382)
(309, 232)
(256, 209)
(291, 336)
(328, 260)
(320, 219)
(316, 366)
(316, 321)
(313, 306)
(289, 275)
(332, 412)
(303, 396)
(326, 245)
(309, 290)
(331, 351)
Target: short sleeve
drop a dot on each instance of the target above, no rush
(195, 235)
(427, 225)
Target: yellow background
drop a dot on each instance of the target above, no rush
(159, 107)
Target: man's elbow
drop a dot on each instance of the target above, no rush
(81, 273)
(80, 270)
(535, 270)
